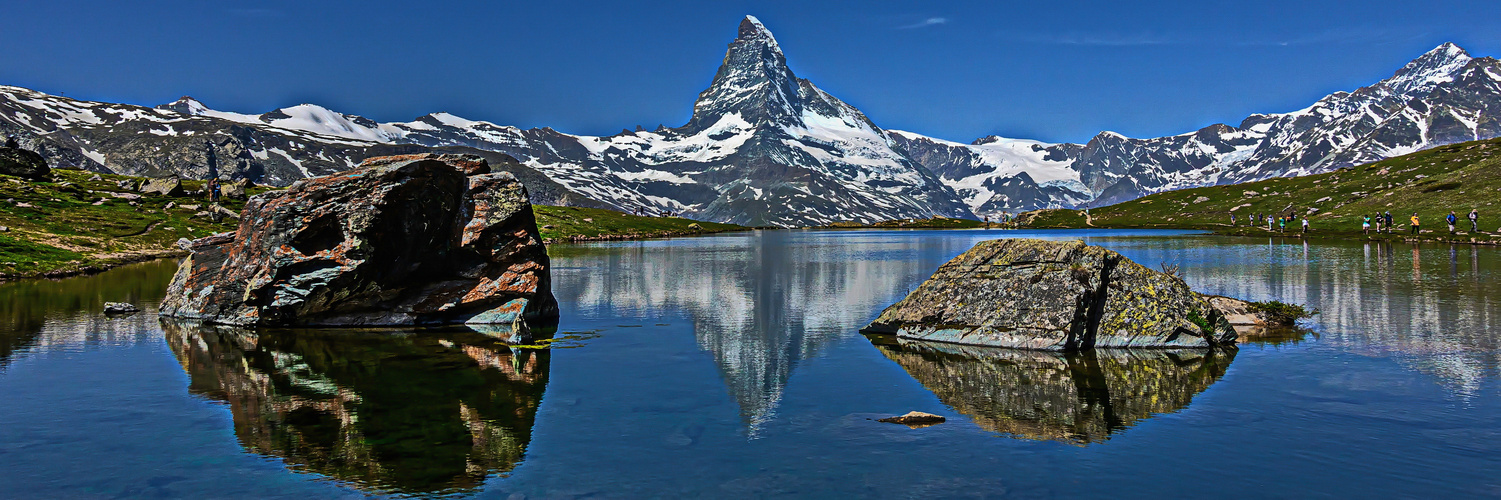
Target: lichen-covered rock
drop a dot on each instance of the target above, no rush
(407, 242)
(22, 163)
(1054, 295)
(234, 190)
(166, 186)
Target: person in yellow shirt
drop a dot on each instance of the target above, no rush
(1414, 223)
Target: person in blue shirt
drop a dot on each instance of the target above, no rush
(1451, 219)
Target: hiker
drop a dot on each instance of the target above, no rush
(1414, 223)
(1232, 220)
(1451, 219)
(1474, 220)
(1378, 222)
(213, 190)
(1365, 225)
(1305, 224)
(1388, 222)
(1281, 224)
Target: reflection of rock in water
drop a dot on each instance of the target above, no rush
(46, 315)
(1077, 398)
(420, 413)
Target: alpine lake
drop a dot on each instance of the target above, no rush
(732, 366)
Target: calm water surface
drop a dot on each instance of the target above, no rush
(731, 366)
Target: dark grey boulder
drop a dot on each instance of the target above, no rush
(25, 164)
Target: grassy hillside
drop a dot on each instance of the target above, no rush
(1457, 177)
(559, 224)
(56, 227)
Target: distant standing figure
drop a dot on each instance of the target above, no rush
(1305, 224)
(1378, 222)
(1282, 224)
(213, 190)
(1451, 219)
(1388, 221)
(1414, 223)
(1232, 220)
(1474, 220)
(1365, 225)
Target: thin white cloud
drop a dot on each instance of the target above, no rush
(932, 21)
(1093, 39)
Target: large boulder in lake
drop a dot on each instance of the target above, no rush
(409, 242)
(1054, 295)
(22, 163)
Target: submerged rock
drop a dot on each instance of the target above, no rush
(408, 242)
(22, 163)
(915, 419)
(113, 308)
(1054, 295)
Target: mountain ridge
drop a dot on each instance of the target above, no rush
(764, 147)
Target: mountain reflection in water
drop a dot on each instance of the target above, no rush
(1078, 398)
(389, 412)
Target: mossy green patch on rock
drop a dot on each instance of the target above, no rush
(1053, 295)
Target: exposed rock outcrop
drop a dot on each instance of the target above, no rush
(405, 242)
(22, 163)
(1054, 295)
(165, 186)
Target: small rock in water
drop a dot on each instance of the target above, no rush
(915, 419)
(120, 308)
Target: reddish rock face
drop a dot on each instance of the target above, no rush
(406, 240)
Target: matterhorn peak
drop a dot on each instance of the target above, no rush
(753, 81)
(751, 29)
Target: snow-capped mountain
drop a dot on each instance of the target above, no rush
(1444, 96)
(275, 148)
(765, 147)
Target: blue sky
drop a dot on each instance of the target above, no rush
(1056, 71)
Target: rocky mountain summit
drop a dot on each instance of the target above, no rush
(399, 241)
(1056, 296)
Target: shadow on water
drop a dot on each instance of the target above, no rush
(388, 411)
(1076, 398)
